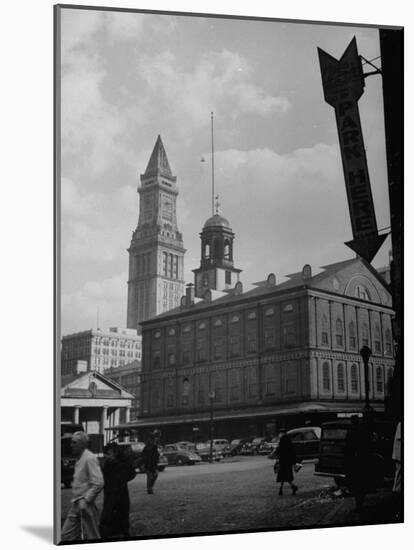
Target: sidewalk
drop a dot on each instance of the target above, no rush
(384, 506)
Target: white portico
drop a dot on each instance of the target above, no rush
(91, 399)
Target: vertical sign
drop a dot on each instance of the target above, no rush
(343, 85)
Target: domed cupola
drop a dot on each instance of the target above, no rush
(216, 269)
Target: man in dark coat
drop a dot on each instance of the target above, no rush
(117, 471)
(150, 457)
(286, 459)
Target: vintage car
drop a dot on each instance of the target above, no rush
(180, 455)
(332, 460)
(234, 447)
(219, 444)
(305, 442)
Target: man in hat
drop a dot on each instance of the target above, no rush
(150, 457)
(82, 520)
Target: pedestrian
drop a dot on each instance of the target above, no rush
(150, 457)
(286, 459)
(396, 456)
(117, 471)
(82, 520)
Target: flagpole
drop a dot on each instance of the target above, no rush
(212, 166)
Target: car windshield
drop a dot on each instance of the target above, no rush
(334, 433)
(235, 441)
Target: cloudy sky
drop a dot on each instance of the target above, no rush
(127, 77)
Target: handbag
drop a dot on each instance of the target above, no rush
(297, 467)
(276, 466)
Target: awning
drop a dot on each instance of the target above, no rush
(253, 413)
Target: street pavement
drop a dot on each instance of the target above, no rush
(240, 494)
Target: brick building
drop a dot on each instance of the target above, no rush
(279, 354)
(128, 377)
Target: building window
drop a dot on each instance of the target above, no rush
(235, 319)
(218, 323)
(289, 336)
(379, 379)
(270, 387)
(365, 335)
(171, 358)
(251, 315)
(362, 293)
(269, 338)
(171, 332)
(187, 328)
(377, 339)
(185, 391)
(388, 348)
(201, 396)
(269, 311)
(228, 277)
(201, 352)
(354, 379)
(164, 263)
(341, 378)
(352, 337)
(324, 331)
(234, 346)
(202, 326)
(251, 342)
(218, 349)
(186, 356)
(339, 333)
(288, 308)
(326, 377)
(156, 360)
(157, 335)
(207, 251)
(227, 250)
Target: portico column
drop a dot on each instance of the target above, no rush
(128, 413)
(104, 422)
(76, 415)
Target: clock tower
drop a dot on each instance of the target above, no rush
(156, 253)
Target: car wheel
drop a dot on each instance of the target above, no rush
(179, 461)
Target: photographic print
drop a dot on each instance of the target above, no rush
(229, 232)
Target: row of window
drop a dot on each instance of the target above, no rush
(217, 249)
(120, 353)
(170, 265)
(352, 336)
(114, 343)
(339, 373)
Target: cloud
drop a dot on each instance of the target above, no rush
(80, 308)
(223, 81)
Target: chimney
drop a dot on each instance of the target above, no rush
(189, 294)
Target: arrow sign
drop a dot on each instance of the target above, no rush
(343, 85)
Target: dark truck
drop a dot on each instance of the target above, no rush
(332, 461)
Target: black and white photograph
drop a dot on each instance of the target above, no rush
(228, 274)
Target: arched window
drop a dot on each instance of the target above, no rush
(207, 251)
(185, 391)
(341, 378)
(324, 331)
(326, 377)
(361, 292)
(365, 335)
(352, 337)
(388, 348)
(354, 379)
(379, 378)
(339, 333)
(227, 250)
(377, 339)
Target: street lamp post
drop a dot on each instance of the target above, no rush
(211, 395)
(366, 352)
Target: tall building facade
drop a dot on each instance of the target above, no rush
(277, 355)
(156, 252)
(100, 349)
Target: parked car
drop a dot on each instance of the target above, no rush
(305, 442)
(203, 449)
(134, 451)
(234, 447)
(178, 454)
(252, 446)
(219, 444)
